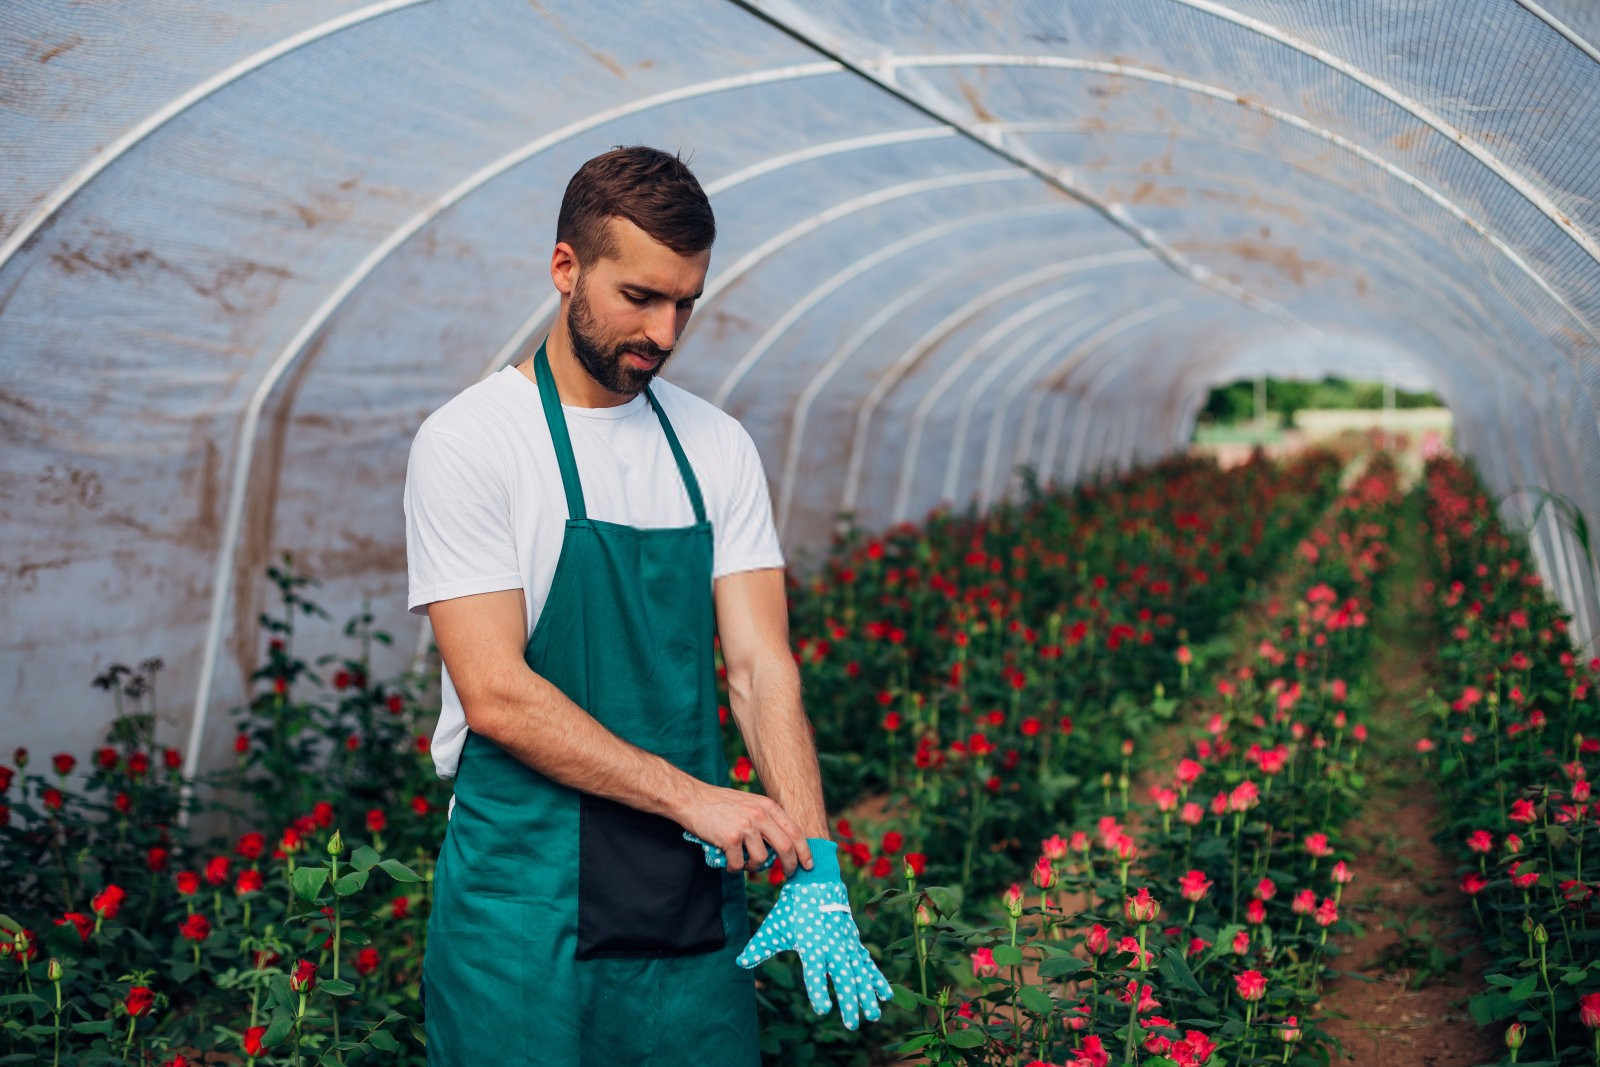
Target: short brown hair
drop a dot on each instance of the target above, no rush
(646, 186)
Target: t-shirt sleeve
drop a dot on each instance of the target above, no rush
(745, 536)
(458, 522)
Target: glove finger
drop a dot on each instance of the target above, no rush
(816, 980)
(866, 993)
(845, 985)
(761, 948)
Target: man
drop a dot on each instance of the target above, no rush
(576, 535)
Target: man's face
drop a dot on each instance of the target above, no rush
(627, 311)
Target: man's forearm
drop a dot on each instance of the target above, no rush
(539, 725)
(766, 704)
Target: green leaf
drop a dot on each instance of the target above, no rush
(384, 1041)
(1490, 1007)
(969, 1038)
(1035, 1000)
(350, 883)
(1060, 966)
(9, 925)
(279, 1029)
(364, 858)
(21, 998)
(1176, 970)
(1574, 975)
(308, 881)
(399, 871)
(1007, 955)
(337, 987)
(98, 1026)
(921, 1041)
(1524, 987)
(1504, 981)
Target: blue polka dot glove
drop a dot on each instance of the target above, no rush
(717, 858)
(812, 917)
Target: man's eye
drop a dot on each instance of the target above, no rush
(634, 298)
(685, 305)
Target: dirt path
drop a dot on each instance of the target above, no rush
(1402, 994)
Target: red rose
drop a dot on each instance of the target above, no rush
(304, 978)
(156, 859)
(290, 842)
(188, 883)
(84, 924)
(172, 758)
(241, 744)
(397, 704)
(139, 1000)
(178, 1060)
(743, 770)
(217, 870)
(5, 778)
(138, 764)
(881, 867)
(377, 822)
(251, 845)
(280, 686)
(196, 927)
(419, 804)
(323, 813)
(891, 843)
(107, 758)
(1252, 985)
(252, 1040)
(366, 961)
(250, 881)
(107, 902)
(398, 907)
(352, 742)
(123, 803)
(64, 762)
(423, 743)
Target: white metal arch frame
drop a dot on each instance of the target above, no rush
(844, 353)
(1287, 118)
(981, 347)
(930, 339)
(833, 284)
(1513, 177)
(177, 106)
(1051, 376)
(1043, 348)
(1072, 463)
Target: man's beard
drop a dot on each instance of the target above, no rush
(604, 360)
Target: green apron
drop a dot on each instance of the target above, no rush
(567, 928)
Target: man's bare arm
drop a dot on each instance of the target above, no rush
(481, 640)
(764, 692)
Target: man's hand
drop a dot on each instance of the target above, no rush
(744, 825)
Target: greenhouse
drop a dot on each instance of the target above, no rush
(1092, 698)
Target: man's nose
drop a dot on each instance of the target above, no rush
(662, 327)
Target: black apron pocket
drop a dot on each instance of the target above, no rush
(642, 889)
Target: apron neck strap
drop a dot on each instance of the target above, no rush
(689, 481)
(556, 419)
(557, 422)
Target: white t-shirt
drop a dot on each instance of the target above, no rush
(485, 508)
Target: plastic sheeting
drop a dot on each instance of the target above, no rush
(245, 248)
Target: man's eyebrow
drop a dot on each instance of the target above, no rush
(647, 291)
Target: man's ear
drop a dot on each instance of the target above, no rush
(564, 268)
